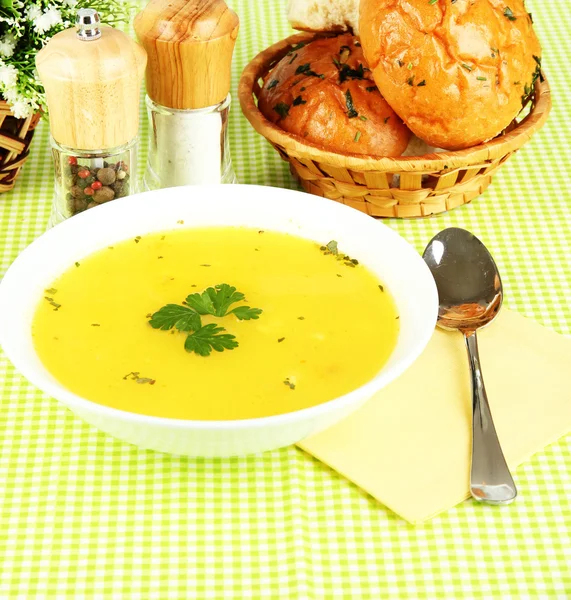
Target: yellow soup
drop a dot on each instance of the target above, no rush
(324, 325)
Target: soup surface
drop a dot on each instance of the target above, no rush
(326, 325)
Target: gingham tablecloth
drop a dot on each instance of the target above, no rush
(86, 516)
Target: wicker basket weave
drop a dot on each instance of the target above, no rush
(15, 139)
(426, 185)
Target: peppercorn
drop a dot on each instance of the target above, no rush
(106, 176)
(76, 191)
(104, 194)
(79, 205)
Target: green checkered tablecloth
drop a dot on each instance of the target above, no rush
(86, 516)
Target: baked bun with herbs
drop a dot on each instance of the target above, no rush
(456, 71)
(323, 92)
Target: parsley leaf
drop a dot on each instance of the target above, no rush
(209, 338)
(175, 315)
(201, 303)
(245, 313)
(215, 300)
(223, 296)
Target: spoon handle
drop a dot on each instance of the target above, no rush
(490, 478)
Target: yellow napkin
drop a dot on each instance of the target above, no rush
(409, 446)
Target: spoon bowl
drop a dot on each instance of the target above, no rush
(470, 297)
(469, 285)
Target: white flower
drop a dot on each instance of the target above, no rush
(70, 3)
(47, 20)
(21, 108)
(12, 21)
(33, 12)
(10, 94)
(7, 45)
(8, 76)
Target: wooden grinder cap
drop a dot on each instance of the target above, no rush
(92, 88)
(189, 44)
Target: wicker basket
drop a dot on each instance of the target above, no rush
(15, 139)
(426, 185)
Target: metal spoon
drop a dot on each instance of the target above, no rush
(470, 293)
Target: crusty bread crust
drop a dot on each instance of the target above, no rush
(455, 72)
(330, 29)
(324, 93)
(324, 15)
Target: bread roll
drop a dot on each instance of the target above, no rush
(324, 93)
(324, 15)
(456, 71)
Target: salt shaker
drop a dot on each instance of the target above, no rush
(92, 76)
(189, 44)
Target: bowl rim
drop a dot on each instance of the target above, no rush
(47, 383)
(447, 161)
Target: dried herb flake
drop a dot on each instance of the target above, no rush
(508, 13)
(351, 112)
(289, 383)
(135, 376)
(297, 47)
(305, 69)
(282, 109)
(346, 72)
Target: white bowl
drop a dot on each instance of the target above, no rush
(382, 250)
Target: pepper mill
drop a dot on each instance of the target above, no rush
(189, 44)
(92, 76)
